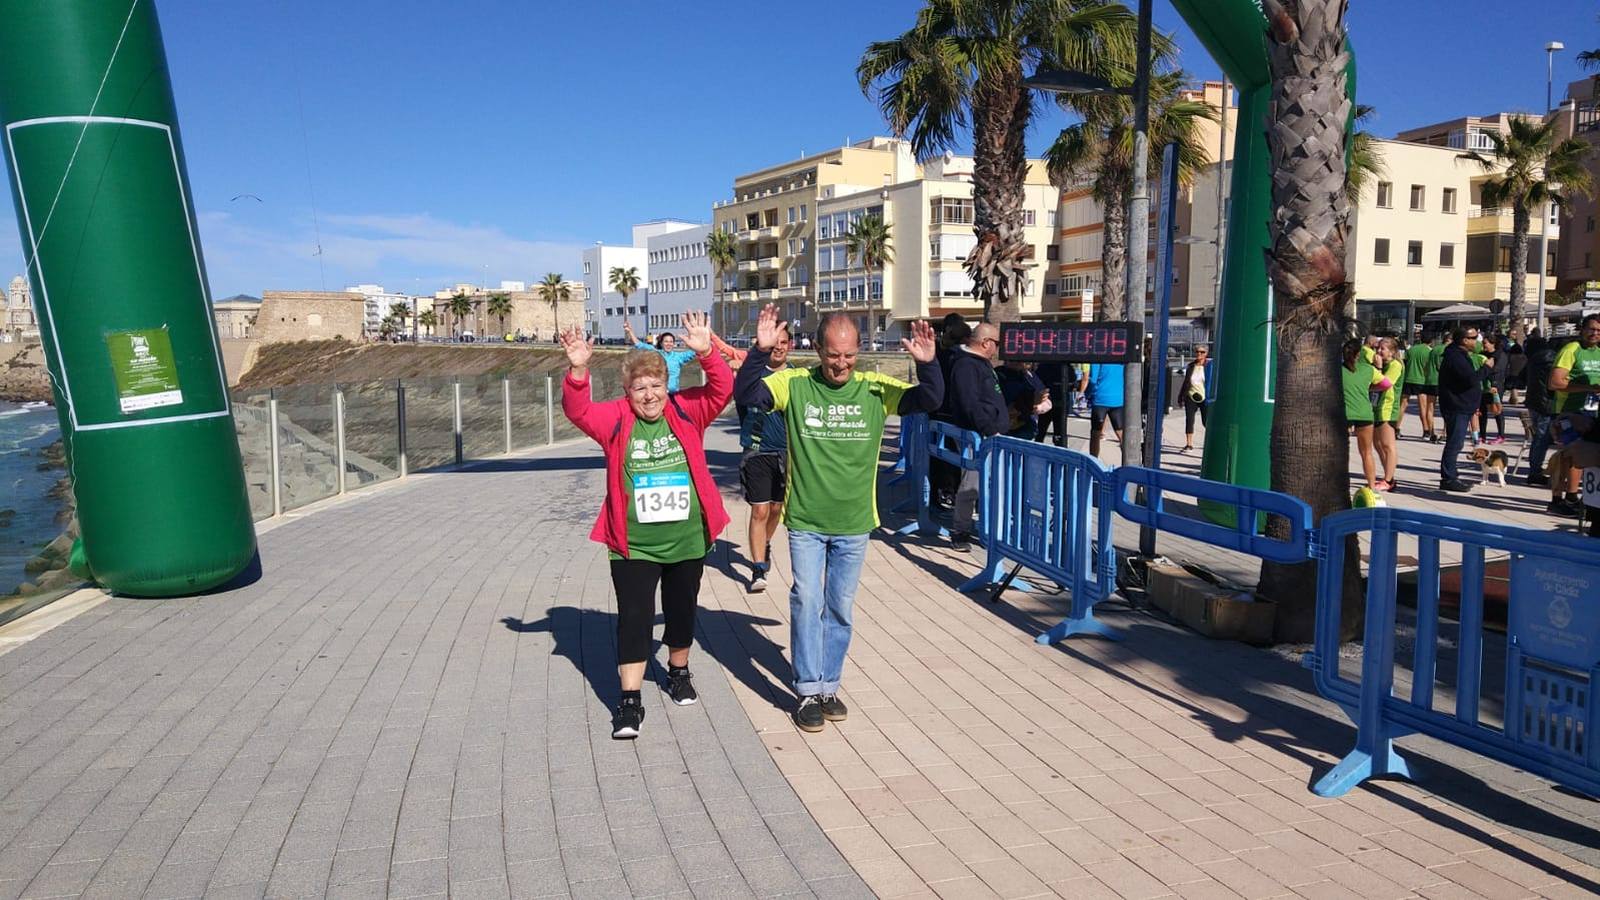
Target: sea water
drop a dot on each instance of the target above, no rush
(25, 431)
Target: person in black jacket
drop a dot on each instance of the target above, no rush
(1460, 393)
(973, 401)
(943, 477)
(1541, 355)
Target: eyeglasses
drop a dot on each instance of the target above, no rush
(989, 341)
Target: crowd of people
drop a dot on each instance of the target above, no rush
(1463, 379)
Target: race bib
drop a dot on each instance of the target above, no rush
(661, 498)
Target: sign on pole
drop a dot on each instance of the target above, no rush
(1086, 306)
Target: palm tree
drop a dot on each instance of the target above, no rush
(555, 291)
(962, 64)
(387, 326)
(499, 306)
(1365, 156)
(722, 251)
(1306, 138)
(624, 282)
(427, 319)
(1535, 166)
(1100, 150)
(869, 241)
(460, 306)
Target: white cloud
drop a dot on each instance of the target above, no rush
(403, 253)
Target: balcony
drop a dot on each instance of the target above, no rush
(768, 294)
(792, 291)
(748, 265)
(767, 232)
(769, 264)
(1499, 220)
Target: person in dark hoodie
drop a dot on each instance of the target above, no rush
(943, 477)
(973, 401)
(1460, 393)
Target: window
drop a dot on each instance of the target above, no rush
(1071, 284)
(1380, 252)
(951, 211)
(1447, 256)
(824, 228)
(1413, 253)
(824, 259)
(1050, 218)
(1385, 195)
(791, 215)
(858, 289)
(1418, 197)
(1447, 200)
(1052, 252)
(1030, 218)
(876, 288)
(840, 224)
(802, 212)
(1049, 288)
(586, 267)
(792, 245)
(1589, 226)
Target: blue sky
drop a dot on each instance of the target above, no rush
(450, 142)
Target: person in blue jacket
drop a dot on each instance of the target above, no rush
(665, 345)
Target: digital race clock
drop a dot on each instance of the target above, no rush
(1089, 342)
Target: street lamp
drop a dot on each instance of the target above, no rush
(1067, 82)
(1544, 209)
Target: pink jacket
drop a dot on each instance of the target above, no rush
(688, 413)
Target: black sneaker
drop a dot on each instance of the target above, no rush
(1564, 507)
(1538, 481)
(808, 715)
(1455, 487)
(680, 687)
(961, 541)
(758, 579)
(627, 719)
(833, 708)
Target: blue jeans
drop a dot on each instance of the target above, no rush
(827, 571)
(1539, 444)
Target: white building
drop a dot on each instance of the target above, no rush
(680, 277)
(18, 319)
(606, 309)
(379, 301)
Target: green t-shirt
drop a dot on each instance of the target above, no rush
(1419, 358)
(1389, 401)
(1358, 390)
(835, 435)
(664, 521)
(1583, 367)
(1435, 355)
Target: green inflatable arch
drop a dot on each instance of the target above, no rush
(108, 229)
(1240, 427)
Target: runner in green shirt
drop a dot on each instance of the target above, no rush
(1576, 373)
(835, 419)
(1419, 362)
(1360, 378)
(1387, 410)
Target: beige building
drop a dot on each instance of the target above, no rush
(531, 316)
(1579, 259)
(18, 319)
(1194, 261)
(310, 316)
(236, 317)
(773, 216)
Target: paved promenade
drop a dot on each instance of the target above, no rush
(413, 701)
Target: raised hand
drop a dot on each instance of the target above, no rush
(767, 328)
(696, 332)
(921, 344)
(627, 332)
(578, 349)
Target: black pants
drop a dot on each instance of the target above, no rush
(635, 581)
(1056, 418)
(1189, 407)
(1485, 416)
(1455, 437)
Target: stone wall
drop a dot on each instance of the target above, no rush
(529, 314)
(309, 316)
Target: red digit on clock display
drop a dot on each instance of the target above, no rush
(1026, 340)
(1080, 341)
(1047, 341)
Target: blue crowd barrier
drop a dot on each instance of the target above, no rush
(1249, 504)
(913, 462)
(1553, 648)
(931, 440)
(1037, 505)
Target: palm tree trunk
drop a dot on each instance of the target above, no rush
(1520, 222)
(1309, 448)
(1114, 263)
(1000, 110)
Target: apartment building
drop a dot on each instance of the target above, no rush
(1579, 259)
(680, 277)
(773, 213)
(1195, 272)
(607, 309)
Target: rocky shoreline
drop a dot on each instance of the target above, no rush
(48, 569)
(23, 376)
